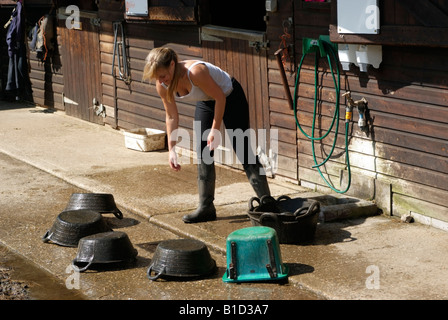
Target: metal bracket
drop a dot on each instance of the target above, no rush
(68, 100)
(95, 22)
(258, 45)
(99, 109)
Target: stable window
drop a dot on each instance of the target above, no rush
(237, 14)
(162, 11)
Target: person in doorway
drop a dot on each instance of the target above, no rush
(219, 98)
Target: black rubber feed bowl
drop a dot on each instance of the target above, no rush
(181, 258)
(103, 248)
(71, 226)
(297, 226)
(100, 202)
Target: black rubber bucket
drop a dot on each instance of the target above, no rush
(267, 204)
(103, 248)
(181, 258)
(71, 226)
(297, 226)
(100, 202)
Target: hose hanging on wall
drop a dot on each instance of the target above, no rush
(123, 69)
(120, 51)
(324, 49)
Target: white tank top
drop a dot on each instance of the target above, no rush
(221, 77)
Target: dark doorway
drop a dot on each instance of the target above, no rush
(238, 14)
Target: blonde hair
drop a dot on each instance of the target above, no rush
(161, 58)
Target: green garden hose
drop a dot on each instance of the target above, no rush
(324, 48)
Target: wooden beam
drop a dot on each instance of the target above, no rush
(396, 36)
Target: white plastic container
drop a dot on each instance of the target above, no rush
(145, 139)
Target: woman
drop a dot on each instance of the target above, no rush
(219, 98)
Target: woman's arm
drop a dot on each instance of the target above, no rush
(172, 123)
(201, 78)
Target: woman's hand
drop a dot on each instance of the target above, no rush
(213, 139)
(173, 160)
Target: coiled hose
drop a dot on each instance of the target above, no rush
(337, 83)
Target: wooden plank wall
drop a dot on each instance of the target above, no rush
(138, 103)
(281, 116)
(407, 145)
(47, 81)
(410, 108)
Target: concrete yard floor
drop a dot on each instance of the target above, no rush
(31, 200)
(47, 156)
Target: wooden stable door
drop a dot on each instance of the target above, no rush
(81, 66)
(242, 55)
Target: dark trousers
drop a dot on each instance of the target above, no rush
(236, 116)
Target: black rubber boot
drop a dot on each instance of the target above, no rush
(257, 178)
(206, 186)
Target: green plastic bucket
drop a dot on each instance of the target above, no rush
(253, 254)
